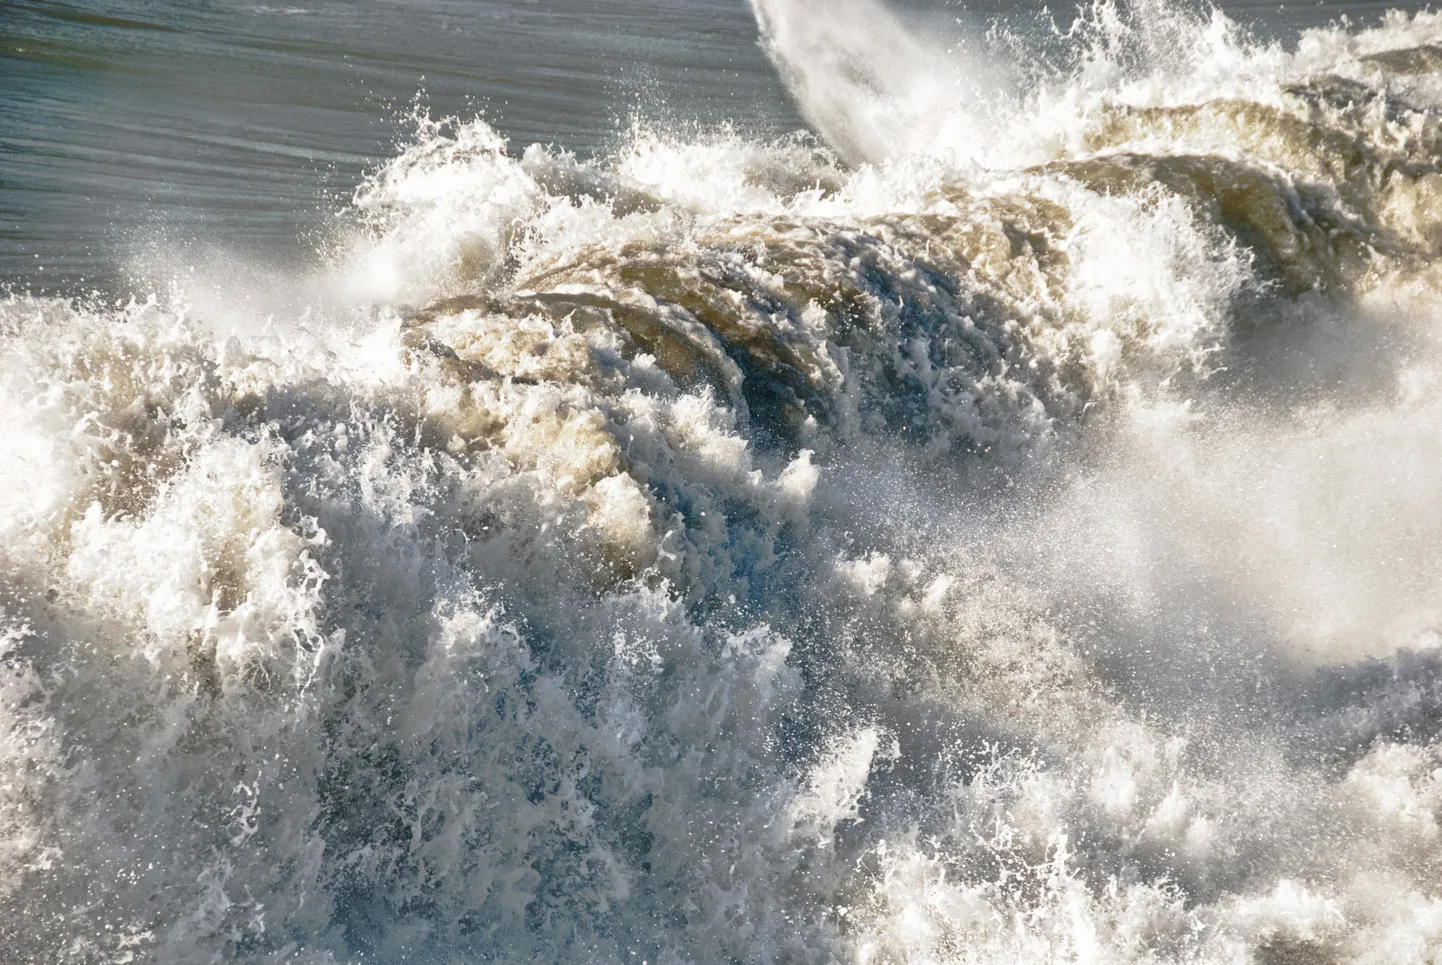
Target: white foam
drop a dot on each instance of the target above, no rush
(769, 557)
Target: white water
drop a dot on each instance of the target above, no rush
(1015, 542)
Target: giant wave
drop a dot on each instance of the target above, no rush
(1004, 530)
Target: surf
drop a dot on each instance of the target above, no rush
(996, 526)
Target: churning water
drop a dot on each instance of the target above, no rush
(1000, 526)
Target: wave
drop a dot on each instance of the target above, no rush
(1004, 529)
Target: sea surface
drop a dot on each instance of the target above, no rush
(720, 481)
(135, 128)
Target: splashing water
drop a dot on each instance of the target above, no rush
(1006, 534)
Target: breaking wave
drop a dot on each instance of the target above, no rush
(1005, 530)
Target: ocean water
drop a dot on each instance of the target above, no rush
(786, 482)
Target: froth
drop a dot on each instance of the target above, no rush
(872, 551)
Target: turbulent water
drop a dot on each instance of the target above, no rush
(1003, 527)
